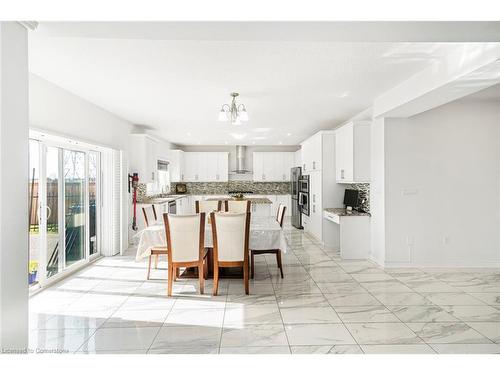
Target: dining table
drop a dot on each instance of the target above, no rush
(265, 233)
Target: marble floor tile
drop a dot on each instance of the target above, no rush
(302, 315)
(136, 318)
(123, 338)
(254, 335)
(205, 301)
(302, 300)
(318, 334)
(431, 286)
(195, 317)
(239, 317)
(207, 349)
(402, 299)
(466, 348)
(366, 314)
(386, 286)
(382, 333)
(447, 333)
(326, 349)
(255, 350)
(307, 287)
(368, 277)
(61, 321)
(421, 314)
(443, 299)
(329, 275)
(348, 299)
(487, 298)
(251, 300)
(490, 330)
(65, 340)
(186, 336)
(474, 313)
(341, 288)
(398, 349)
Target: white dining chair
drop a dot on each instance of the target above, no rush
(280, 216)
(230, 234)
(186, 243)
(150, 218)
(238, 207)
(207, 206)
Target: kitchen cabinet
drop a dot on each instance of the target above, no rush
(352, 152)
(144, 157)
(311, 153)
(318, 161)
(272, 166)
(176, 165)
(206, 166)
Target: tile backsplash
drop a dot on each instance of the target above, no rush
(270, 188)
(364, 196)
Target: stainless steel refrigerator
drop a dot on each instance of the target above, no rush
(296, 210)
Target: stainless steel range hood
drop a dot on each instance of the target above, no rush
(240, 161)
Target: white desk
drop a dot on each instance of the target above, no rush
(354, 232)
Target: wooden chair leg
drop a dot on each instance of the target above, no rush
(201, 278)
(177, 272)
(156, 261)
(149, 268)
(278, 260)
(170, 280)
(245, 278)
(252, 264)
(205, 269)
(216, 280)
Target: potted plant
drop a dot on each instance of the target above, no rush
(32, 271)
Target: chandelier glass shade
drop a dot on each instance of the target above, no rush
(234, 112)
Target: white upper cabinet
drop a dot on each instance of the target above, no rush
(272, 166)
(206, 166)
(176, 165)
(311, 153)
(144, 157)
(352, 152)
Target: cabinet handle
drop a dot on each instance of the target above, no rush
(342, 174)
(314, 165)
(182, 177)
(217, 177)
(263, 176)
(284, 177)
(195, 176)
(314, 198)
(152, 176)
(314, 208)
(304, 167)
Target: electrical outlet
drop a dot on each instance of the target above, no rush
(446, 240)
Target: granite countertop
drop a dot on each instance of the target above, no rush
(160, 200)
(344, 212)
(253, 200)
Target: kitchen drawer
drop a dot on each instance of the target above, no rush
(332, 217)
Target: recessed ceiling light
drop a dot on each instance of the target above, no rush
(226, 142)
(280, 143)
(253, 142)
(288, 134)
(189, 134)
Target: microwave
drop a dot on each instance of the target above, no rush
(304, 184)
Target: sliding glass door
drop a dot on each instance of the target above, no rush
(65, 212)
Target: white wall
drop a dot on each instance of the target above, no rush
(57, 111)
(13, 186)
(377, 191)
(442, 187)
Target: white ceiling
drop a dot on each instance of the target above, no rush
(291, 88)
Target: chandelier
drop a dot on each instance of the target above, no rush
(236, 113)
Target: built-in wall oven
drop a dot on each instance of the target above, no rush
(304, 194)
